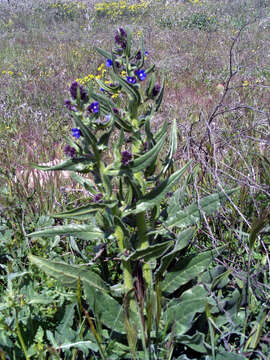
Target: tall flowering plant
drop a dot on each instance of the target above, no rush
(129, 180)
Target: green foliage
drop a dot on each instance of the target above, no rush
(199, 21)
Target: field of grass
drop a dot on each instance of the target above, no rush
(215, 57)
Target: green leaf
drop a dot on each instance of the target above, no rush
(155, 196)
(85, 232)
(68, 274)
(87, 134)
(86, 183)
(195, 342)
(229, 356)
(181, 242)
(257, 225)
(173, 147)
(79, 164)
(132, 92)
(160, 95)
(102, 52)
(146, 159)
(181, 312)
(188, 268)
(138, 164)
(82, 211)
(152, 252)
(192, 213)
(82, 345)
(105, 308)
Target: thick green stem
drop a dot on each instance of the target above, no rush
(142, 244)
(19, 333)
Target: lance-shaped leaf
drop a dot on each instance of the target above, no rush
(182, 241)
(86, 183)
(85, 210)
(88, 136)
(104, 100)
(150, 85)
(121, 124)
(146, 159)
(80, 164)
(155, 196)
(108, 310)
(173, 147)
(192, 213)
(188, 268)
(132, 92)
(181, 312)
(105, 308)
(68, 275)
(150, 253)
(160, 95)
(85, 232)
(102, 52)
(139, 164)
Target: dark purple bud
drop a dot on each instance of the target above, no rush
(117, 39)
(122, 32)
(82, 92)
(124, 44)
(138, 55)
(69, 151)
(97, 198)
(68, 104)
(115, 110)
(126, 157)
(145, 146)
(156, 90)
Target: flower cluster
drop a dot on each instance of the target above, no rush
(99, 113)
(121, 38)
(114, 9)
(126, 157)
(76, 89)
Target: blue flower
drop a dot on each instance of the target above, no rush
(141, 74)
(107, 118)
(76, 132)
(131, 79)
(102, 90)
(93, 107)
(146, 53)
(109, 62)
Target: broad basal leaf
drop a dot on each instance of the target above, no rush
(105, 308)
(188, 268)
(152, 252)
(192, 214)
(181, 312)
(85, 232)
(68, 274)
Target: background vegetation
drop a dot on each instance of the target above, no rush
(215, 55)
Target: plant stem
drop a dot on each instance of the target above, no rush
(142, 244)
(19, 333)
